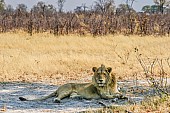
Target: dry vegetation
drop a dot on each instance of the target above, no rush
(150, 105)
(60, 59)
(44, 57)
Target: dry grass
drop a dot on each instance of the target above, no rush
(150, 105)
(44, 57)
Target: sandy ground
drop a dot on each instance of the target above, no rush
(9, 93)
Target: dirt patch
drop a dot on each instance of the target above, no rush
(9, 93)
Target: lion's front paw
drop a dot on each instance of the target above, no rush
(108, 96)
(78, 98)
(122, 97)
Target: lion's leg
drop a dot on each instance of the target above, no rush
(62, 95)
(118, 95)
(74, 95)
(62, 92)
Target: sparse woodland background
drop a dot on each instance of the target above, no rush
(101, 19)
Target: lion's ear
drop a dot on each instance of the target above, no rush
(109, 69)
(94, 69)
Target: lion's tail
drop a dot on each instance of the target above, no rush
(39, 99)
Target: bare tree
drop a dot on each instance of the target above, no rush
(129, 4)
(104, 6)
(122, 9)
(60, 5)
(9, 8)
(22, 7)
(161, 4)
(39, 7)
(81, 8)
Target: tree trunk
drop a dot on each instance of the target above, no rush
(161, 8)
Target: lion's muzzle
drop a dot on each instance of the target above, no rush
(101, 82)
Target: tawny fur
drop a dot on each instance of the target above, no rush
(103, 85)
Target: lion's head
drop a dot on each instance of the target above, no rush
(101, 76)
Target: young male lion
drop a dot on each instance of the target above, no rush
(103, 85)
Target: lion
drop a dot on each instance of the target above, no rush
(103, 86)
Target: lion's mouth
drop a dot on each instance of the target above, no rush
(101, 84)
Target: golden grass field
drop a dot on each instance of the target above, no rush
(60, 59)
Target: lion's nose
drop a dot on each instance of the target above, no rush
(100, 80)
